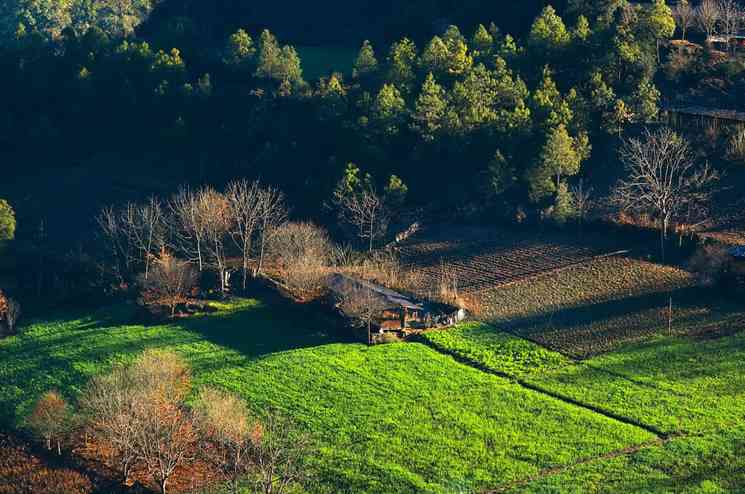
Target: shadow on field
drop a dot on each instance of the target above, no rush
(584, 331)
(270, 326)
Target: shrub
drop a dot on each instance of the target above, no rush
(49, 419)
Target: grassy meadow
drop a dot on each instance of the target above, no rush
(392, 418)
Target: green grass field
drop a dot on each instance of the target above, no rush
(393, 418)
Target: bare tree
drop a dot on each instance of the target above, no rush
(363, 306)
(115, 236)
(106, 404)
(170, 282)
(366, 212)
(279, 455)
(224, 421)
(684, 15)
(272, 213)
(301, 253)
(214, 212)
(164, 437)
(582, 196)
(50, 418)
(189, 225)
(730, 18)
(707, 17)
(663, 179)
(244, 201)
(146, 229)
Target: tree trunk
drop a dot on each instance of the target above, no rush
(59, 448)
(163, 486)
(261, 254)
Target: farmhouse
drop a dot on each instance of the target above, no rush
(394, 312)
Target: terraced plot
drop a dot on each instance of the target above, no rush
(483, 259)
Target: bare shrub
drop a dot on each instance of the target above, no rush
(50, 419)
(710, 263)
(231, 434)
(302, 253)
(736, 145)
(170, 283)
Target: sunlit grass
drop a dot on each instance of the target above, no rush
(393, 418)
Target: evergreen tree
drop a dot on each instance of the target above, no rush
(646, 102)
(548, 32)
(389, 109)
(7, 221)
(660, 22)
(430, 110)
(500, 174)
(563, 209)
(270, 56)
(395, 193)
(435, 58)
(560, 156)
(366, 62)
(582, 30)
(240, 50)
(482, 41)
(402, 61)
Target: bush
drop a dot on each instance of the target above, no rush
(49, 419)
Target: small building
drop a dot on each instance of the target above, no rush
(394, 312)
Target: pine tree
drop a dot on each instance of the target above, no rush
(240, 50)
(366, 62)
(435, 58)
(482, 41)
(429, 110)
(389, 109)
(582, 30)
(660, 22)
(270, 56)
(563, 209)
(548, 31)
(7, 221)
(402, 61)
(559, 157)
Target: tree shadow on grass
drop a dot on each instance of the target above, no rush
(266, 327)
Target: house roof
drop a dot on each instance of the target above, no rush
(342, 284)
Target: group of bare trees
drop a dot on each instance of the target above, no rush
(136, 419)
(203, 227)
(712, 17)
